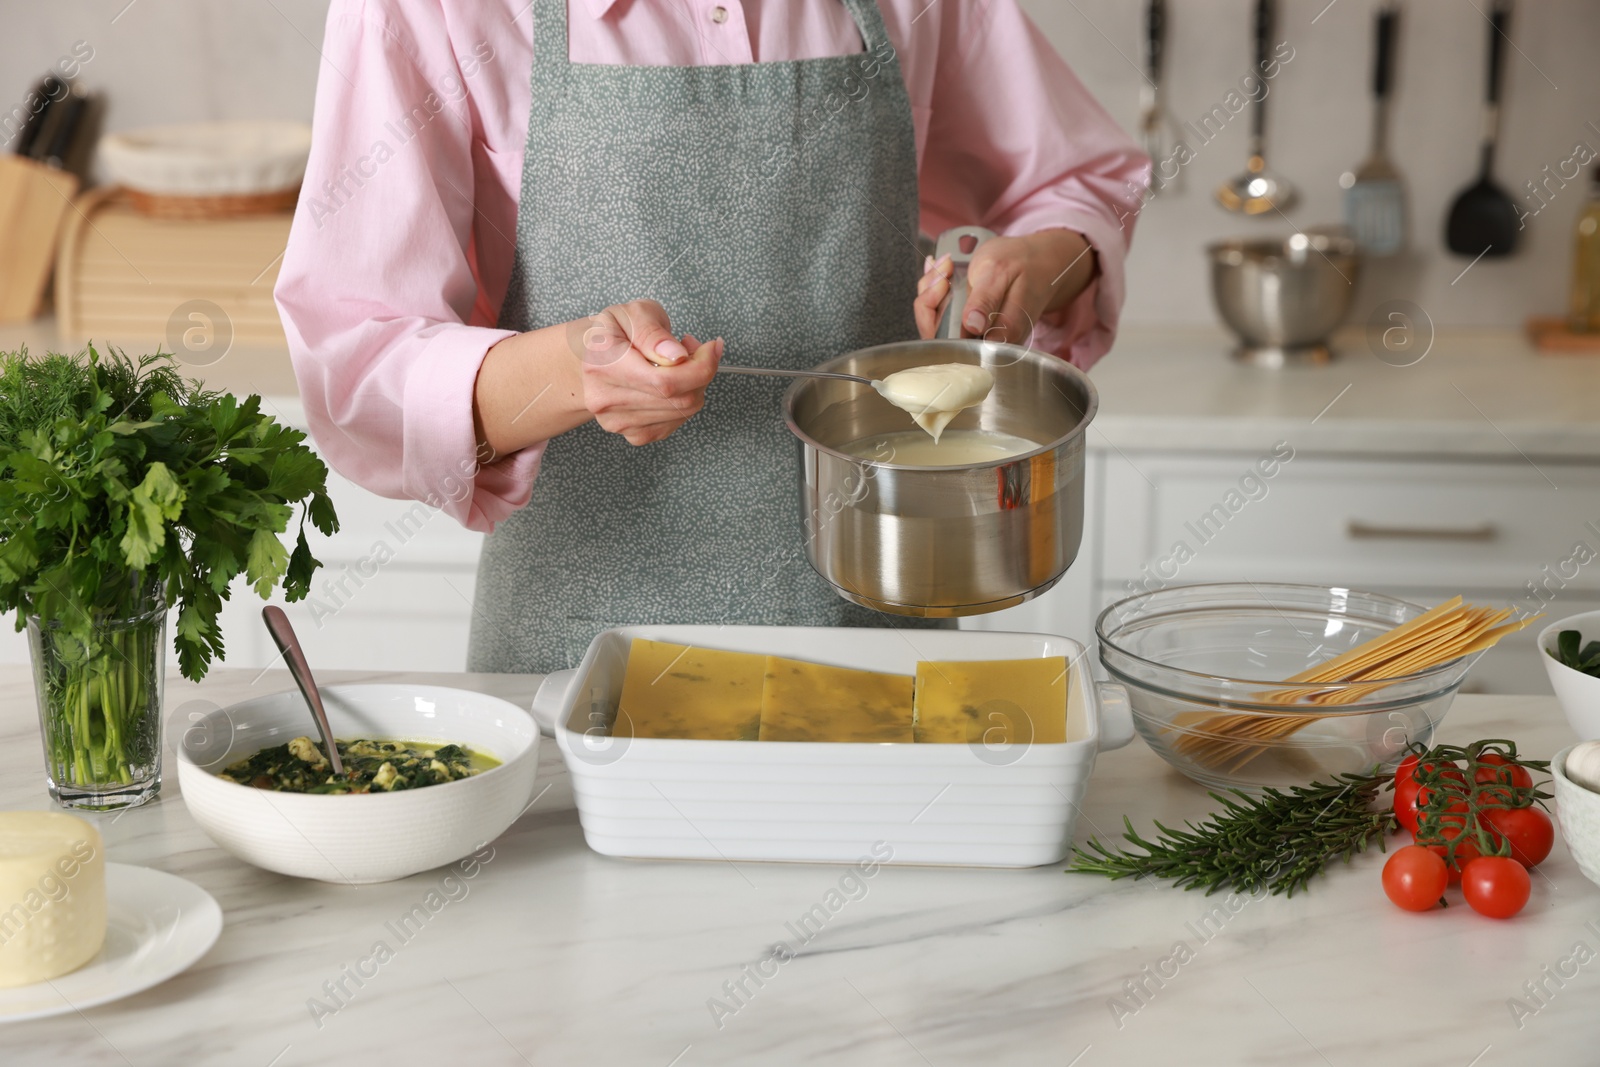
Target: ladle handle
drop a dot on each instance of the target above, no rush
(284, 637)
(778, 372)
(1263, 46)
(950, 244)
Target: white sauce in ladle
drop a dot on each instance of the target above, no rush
(936, 394)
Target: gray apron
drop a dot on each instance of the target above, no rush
(773, 204)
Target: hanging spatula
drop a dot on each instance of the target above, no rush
(1483, 220)
(1374, 200)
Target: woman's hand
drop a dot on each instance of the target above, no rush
(623, 368)
(639, 380)
(1011, 282)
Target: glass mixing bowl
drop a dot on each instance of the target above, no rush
(1204, 667)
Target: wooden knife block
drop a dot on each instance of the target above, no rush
(34, 199)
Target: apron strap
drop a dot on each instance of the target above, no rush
(869, 20)
(551, 48)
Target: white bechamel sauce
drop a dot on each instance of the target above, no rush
(914, 448)
(937, 393)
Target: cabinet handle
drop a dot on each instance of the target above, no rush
(1366, 531)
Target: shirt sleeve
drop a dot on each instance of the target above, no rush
(378, 291)
(1016, 144)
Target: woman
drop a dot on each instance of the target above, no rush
(530, 278)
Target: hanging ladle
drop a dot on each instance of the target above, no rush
(1258, 190)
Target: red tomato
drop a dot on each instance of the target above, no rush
(1405, 804)
(1496, 886)
(1415, 879)
(1402, 773)
(1453, 805)
(1529, 830)
(1501, 770)
(1407, 792)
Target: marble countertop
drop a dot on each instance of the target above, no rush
(553, 954)
(1476, 393)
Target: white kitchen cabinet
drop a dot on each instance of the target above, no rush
(1494, 531)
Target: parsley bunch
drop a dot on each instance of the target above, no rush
(119, 476)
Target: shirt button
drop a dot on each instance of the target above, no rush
(719, 15)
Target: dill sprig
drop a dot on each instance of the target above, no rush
(1277, 841)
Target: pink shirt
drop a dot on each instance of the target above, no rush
(402, 242)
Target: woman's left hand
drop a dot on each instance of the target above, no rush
(1011, 282)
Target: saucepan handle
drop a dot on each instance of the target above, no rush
(950, 244)
(551, 698)
(1116, 715)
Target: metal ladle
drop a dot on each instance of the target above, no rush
(283, 636)
(774, 372)
(1258, 190)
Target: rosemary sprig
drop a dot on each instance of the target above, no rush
(1277, 841)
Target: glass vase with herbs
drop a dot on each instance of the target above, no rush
(127, 494)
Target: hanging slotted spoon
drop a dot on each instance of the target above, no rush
(1374, 201)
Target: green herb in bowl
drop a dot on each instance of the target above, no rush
(1570, 651)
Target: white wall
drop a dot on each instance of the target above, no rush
(167, 60)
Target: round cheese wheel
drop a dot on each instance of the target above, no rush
(52, 895)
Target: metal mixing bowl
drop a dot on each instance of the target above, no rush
(1283, 297)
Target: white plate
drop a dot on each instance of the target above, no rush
(157, 924)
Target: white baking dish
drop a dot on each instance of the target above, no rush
(1000, 806)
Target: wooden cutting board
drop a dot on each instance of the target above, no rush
(125, 278)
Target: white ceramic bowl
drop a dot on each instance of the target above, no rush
(824, 802)
(1578, 693)
(1578, 811)
(372, 837)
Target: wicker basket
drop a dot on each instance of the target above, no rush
(159, 206)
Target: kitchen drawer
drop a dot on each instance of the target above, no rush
(1369, 523)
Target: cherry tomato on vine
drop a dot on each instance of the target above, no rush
(1529, 830)
(1450, 828)
(1405, 804)
(1407, 791)
(1402, 773)
(1415, 878)
(1501, 770)
(1496, 886)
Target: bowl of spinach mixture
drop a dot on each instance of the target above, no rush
(369, 766)
(431, 775)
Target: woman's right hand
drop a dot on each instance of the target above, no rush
(639, 379)
(623, 368)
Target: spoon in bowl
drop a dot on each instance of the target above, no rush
(283, 636)
(932, 394)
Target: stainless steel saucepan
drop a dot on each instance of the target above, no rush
(944, 541)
